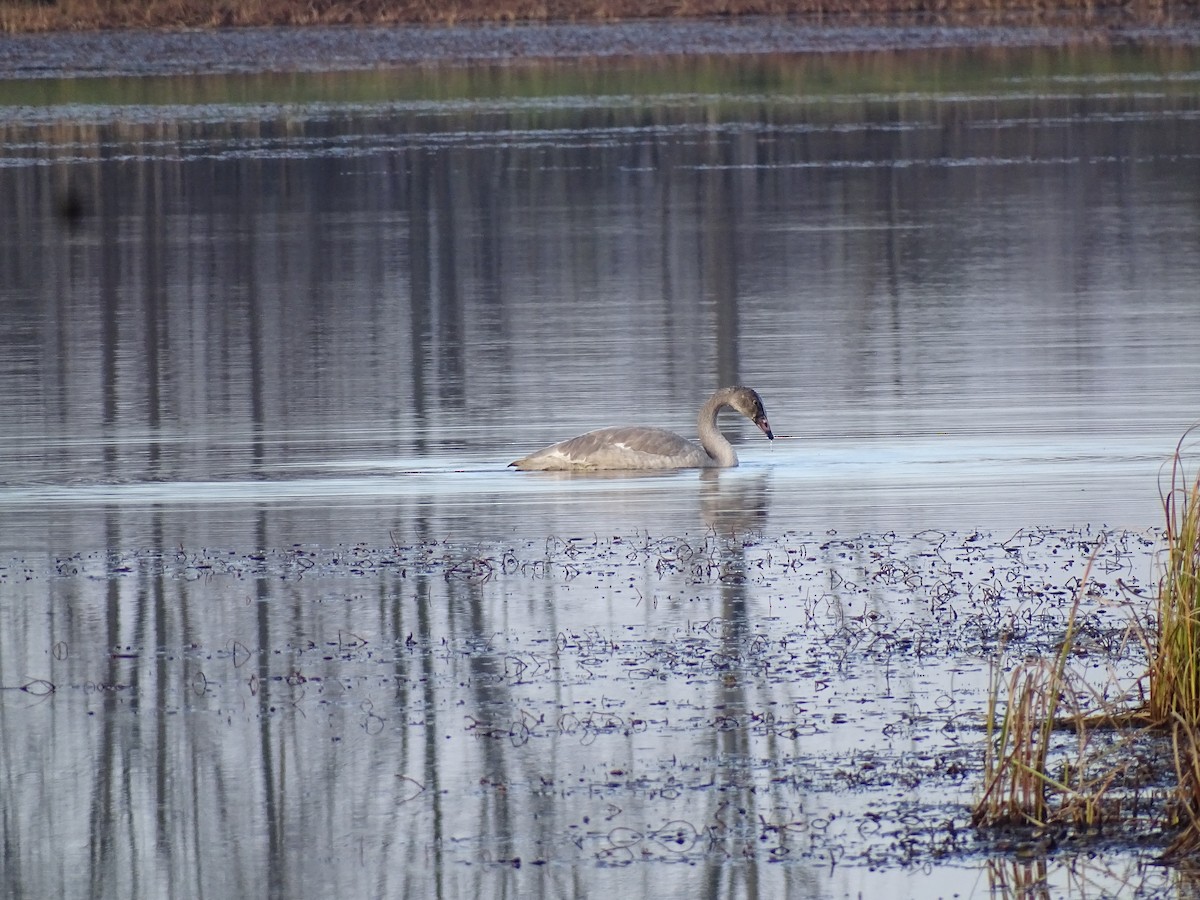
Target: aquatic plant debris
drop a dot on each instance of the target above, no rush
(787, 698)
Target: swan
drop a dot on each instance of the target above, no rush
(647, 447)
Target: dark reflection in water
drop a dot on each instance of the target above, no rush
(263, 365)
(242, 295)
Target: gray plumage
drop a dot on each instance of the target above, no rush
(647, 447)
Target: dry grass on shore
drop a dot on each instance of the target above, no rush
(63, 15)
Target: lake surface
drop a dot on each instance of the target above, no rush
(270, 342)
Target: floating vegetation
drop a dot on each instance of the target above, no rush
(624, 699)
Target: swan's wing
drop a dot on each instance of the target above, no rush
(624, 447)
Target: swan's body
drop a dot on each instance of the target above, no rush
(646, 447)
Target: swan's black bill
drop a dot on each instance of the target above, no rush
(762, 423)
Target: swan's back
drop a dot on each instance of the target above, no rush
(623, 447)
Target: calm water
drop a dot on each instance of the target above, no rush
(269, 343)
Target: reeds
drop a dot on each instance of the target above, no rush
(58, 15)
(1019, 788)
(1174, 699)
(1015, 777)
(1175, 658)
(1186, 745)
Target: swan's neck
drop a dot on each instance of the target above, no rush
(711, 439)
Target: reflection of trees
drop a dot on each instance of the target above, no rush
(440, 276)
(245, 738)
(414, 719)
(735, 504)
(320, 272)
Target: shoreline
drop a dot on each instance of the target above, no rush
(284, 49)
(32, 16)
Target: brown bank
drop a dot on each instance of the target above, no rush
(62, 15)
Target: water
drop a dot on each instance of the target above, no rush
(270, 342)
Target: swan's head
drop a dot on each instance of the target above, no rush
(746, 401)
(761, 421)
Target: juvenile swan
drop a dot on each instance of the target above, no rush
(646, 447)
